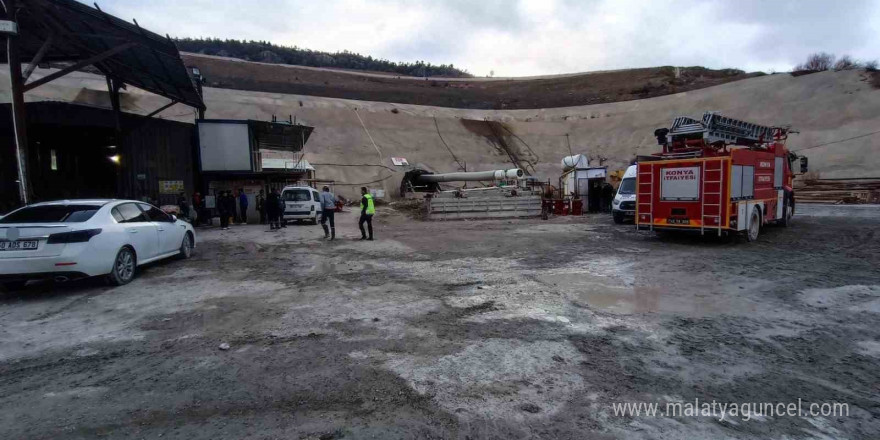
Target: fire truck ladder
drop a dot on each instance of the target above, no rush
(718, 128)
(716, 174)
(645, 192)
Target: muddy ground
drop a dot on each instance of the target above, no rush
(466, 329)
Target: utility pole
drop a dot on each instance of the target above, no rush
(19, 123)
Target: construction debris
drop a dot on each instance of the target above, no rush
(838, 191)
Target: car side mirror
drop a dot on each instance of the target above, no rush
(804, 164)
(173, 218)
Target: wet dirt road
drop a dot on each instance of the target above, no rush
(467, 329)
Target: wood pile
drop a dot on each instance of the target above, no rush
(838, 191)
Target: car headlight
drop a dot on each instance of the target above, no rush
(616, 202)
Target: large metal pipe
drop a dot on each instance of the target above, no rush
(475, 176)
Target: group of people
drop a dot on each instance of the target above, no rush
(271, 208)
(226, 207)
(328, 213)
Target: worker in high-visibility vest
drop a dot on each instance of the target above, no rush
(368, 208)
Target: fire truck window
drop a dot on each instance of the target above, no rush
(736, 182)
(748, 187)
(777, 173)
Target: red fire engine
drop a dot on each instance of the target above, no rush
(718, 175)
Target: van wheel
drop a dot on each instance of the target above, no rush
(618, 218)
(754, 226)
(12, 286)
(124, 267)
(315, 220)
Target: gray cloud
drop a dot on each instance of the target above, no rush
(525, 37)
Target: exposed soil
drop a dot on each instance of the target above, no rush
(553, 91)
(467, 329)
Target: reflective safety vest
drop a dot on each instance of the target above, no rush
(371, 208)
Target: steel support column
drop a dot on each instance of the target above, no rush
(19, 122)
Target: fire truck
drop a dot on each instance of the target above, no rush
(717, 175)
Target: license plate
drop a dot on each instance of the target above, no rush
(296, 206)
(18, 245)
(678, 221)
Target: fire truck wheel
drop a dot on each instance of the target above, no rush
(787, 213)
(754, 226)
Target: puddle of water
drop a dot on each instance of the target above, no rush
(626, 299)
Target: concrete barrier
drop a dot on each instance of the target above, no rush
(502, 207)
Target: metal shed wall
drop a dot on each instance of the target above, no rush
(158, 149)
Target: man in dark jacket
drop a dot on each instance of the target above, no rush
(261, 207)
(272, 209)
(243, 204)
(222, 210)
(230, 205)
(281, 207)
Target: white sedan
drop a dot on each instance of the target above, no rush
(70, 239)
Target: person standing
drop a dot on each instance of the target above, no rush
(281, 207)
(368, 209)
(328, 212)
(197, 208)
(229, 202)
(272, 209)
(182, 205)
(243, 204)
(261, 207)
(221, 209)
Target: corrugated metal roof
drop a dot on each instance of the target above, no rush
(79, 32)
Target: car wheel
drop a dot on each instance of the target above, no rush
(12, 286)
(186, 246)
(754, 226)
(618, 217)
(124, 267)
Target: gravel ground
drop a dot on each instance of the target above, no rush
(467, 329)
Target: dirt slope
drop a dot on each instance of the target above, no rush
(476, 93)
(825, 107)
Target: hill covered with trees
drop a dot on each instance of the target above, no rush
(266, 52)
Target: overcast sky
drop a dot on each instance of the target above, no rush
(517, 38)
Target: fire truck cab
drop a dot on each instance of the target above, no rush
(717, 175)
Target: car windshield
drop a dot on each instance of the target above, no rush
(296, 195)
(627, 186)
(52, 214)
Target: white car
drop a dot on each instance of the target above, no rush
(301, 203)
(70, 239)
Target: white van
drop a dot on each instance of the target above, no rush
(624, 204)
(301, 203)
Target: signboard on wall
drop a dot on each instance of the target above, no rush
(170, 186)
(680, 183)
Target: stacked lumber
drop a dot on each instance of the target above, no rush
(838, 191)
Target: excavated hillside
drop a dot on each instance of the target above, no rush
(472, 93)
(824, 107)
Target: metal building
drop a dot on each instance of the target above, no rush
(55, 149)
